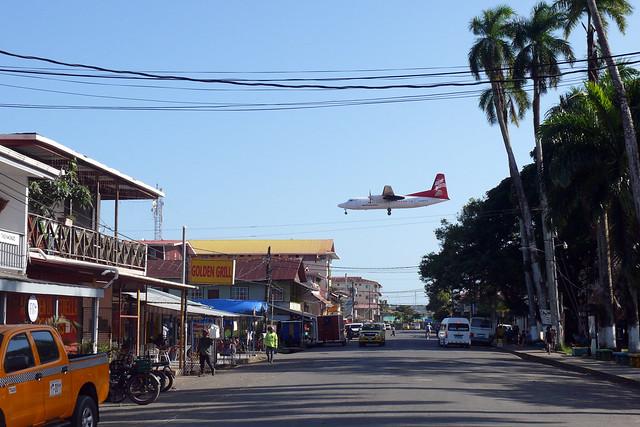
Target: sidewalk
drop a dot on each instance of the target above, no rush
(610, 371)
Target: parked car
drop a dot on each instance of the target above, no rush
(387, 327)
(454, 330)
(372, 333)
(353, 330)
(40, 384)
(481, 331)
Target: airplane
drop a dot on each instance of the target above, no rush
(389, 200)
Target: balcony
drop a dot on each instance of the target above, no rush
(68, 241)
(12, 251)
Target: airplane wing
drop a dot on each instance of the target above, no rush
(387, 194)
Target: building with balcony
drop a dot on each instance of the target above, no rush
(78, 268)
(361, 296)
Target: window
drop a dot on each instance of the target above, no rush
(196, 293)
(46, 345)
(238, 292)
(19, 355)
(458, 327)
(276, 293)
(213, 293)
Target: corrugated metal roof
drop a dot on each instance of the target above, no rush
(281, 269)
(90, 171)
(260, 247)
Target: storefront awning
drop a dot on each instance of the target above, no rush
(172, 302)
(45, 288)
(246, 307)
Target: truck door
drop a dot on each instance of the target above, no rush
(21, 383)
(57, 388)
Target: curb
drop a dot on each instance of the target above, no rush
(579, 369)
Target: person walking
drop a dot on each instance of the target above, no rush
(270, 343)
(204, 350)
(393, 331)
(550, 339)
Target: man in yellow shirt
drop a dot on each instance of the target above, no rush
(270, 343)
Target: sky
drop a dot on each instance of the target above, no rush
(272, 173)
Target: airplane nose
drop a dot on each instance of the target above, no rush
(341, 205)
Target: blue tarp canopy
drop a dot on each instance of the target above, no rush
(250, 307)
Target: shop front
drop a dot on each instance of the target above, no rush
(57, 305)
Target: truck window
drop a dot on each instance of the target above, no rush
(46, 346)
(19, 355)
(458, 327)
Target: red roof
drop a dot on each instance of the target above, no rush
(162, 269)
(255, 269)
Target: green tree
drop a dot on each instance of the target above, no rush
(538, 50)
(46, 197)
(492, 53)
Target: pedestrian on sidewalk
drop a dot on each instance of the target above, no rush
(204, 350)
(393, 331)
(270, 343)
(550, 339)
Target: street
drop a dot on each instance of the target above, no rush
(408, 382)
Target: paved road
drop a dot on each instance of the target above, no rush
(408, 382)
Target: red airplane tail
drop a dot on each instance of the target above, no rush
(438, 189)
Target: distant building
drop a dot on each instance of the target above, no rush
(366, 296)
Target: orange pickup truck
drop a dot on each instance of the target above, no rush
(40, 384)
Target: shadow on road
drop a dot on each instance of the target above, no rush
(411, 381)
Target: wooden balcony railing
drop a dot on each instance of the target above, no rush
(56, 238)
(13, 254)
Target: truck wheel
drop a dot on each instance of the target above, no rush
(85, 413)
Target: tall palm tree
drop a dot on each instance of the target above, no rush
(537, 51)
(630, 142)
(492, 54)
(586, 172)
(575, 10)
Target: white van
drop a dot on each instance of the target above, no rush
(454, 330)
(481, 330)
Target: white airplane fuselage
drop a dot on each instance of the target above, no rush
(378, 202)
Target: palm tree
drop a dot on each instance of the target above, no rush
(492, 53)
(586, 173)
(617, 10)
(574, 10)
(538, 50)
(630, 142)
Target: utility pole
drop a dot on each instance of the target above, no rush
(183, 304)
(269, 291)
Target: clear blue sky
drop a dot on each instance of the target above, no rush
(226, 170)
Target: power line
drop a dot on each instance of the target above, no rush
(243, 82)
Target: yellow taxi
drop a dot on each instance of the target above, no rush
(372, 333)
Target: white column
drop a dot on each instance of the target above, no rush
(94, 329)
(3, 311)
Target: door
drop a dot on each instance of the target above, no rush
(56, 383)
(22, 383)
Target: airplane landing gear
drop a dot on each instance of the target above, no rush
(345, 211)
(388, 211)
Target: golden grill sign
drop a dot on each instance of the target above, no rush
(204, 271)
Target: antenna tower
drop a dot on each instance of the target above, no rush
(156, 208)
